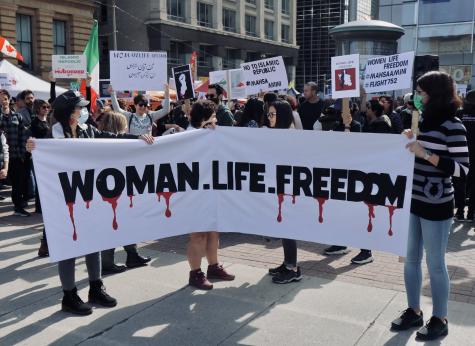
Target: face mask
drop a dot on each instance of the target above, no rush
(84, 115)
(418, 102)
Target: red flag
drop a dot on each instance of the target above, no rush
(7, 49)
(193, 59)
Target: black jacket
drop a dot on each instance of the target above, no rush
(379, 125)
(89, 131)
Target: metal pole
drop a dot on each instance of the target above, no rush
(473, 24)
(114, 26)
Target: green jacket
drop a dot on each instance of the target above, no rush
(224, 116)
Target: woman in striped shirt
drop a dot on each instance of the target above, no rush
(441, 153)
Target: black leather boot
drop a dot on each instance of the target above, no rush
(98, 295)
(73, 303)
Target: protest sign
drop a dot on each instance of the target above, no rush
(5, 81)
(387, 73)
(138, 70)
(345, 76)
(69, 66)
(237, 84)
(184, 82)
(172, 84)
(221, 78)
(265, 75)
(100, 194)
(104, 88)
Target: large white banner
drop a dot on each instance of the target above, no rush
(69, 66)
(265, 75)
(387, 73)
(100, 194)
(138, 70)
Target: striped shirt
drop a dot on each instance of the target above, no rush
(433, 192)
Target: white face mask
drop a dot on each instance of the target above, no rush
(84, 115)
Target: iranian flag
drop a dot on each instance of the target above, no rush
(92, 54)
(7, 49)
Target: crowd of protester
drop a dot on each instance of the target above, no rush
(446, 127)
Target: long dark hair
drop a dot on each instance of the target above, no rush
(443, 99)
(285, 117)
(37, 104)
(201, 111)
(253, 110)
(63, 116)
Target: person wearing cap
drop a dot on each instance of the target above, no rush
(71, 117)
(142, 121)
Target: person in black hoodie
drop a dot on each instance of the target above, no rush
(68, 112)
(376, 122)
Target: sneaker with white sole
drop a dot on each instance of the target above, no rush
(22, 213)
(363, 257)
(336, 250)
(287, 276)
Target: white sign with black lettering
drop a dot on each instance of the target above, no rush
(389, 73)
(265, 75)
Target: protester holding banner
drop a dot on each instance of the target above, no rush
(141, 122)
(281, 117)
(71, 124)
(16, 132)
(25, 101)
(311, 109)
(441, 153)
(223, 114)
(204, 243)
(294, 104)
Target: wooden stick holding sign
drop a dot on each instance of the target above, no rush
(346, 113)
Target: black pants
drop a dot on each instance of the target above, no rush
(471, 187)
(37, 195)
(290, 252)
(460, 194)
(18, 172)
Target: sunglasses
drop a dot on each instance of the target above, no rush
(142, 104)
(271, 114)
(45, 107)
(210, 96)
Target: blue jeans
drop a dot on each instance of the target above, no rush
(433, 237)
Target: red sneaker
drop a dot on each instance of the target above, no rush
(198, 280)
(217, 272)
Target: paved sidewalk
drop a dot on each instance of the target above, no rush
(157, 307)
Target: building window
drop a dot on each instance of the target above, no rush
(269, 29)
(251, 25)
(205, 56)
(251, 2)
(204, 15)
(176, 55)
(269, 4)
(229, 20)
(176, 10)
(286, 6)
(285, 33)
(229, 60)
(59, 37)
(23, 39)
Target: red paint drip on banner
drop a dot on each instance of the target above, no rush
(113, 203)
(71, 215)
(87, 204)
(371, 216)
(321, 201)
(131, 205)
(391, 210)
(280, 199)
(167, 196)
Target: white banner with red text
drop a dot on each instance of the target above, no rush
(328, 187)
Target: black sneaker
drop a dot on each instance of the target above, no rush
(434, 329)
(22, 212)
(460, 217)
(408, 319)
(287, 276)
(470, 215)
(363, 257)
(336, 250)
(114, 269)
(73, 303)
(134, 260)
(277, 270)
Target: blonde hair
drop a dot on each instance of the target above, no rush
(114, 122)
